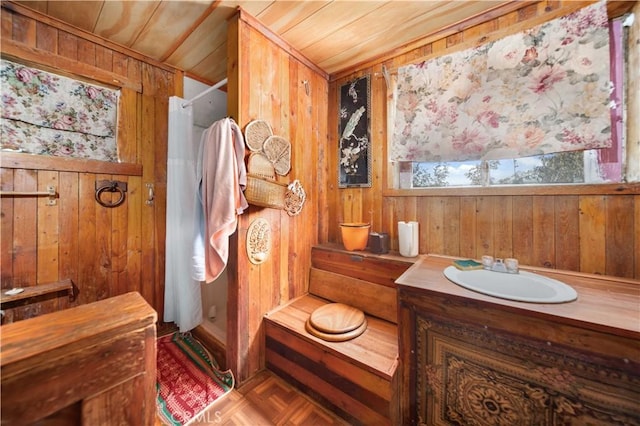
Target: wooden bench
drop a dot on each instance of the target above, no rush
(357, 379)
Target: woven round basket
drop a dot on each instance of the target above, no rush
(265, 192)
(278, 151)
(255, 133)
(259, 165)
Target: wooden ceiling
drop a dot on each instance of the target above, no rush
(192, 35)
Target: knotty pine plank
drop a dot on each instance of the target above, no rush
(46, 38)
(68, 45)
(88, 257)
(636, 244)
(567, 232)
(15, 160)
(104, 58)
(69, 218)
(255, 61)
(303, 161)
(47, 268)
(503, 229)
(484, 226)
(119, 232)
(48, 229)
(120, 62)
(383, 271)
(371, 298)
(25, 230)
(322, 178)
(134, 73)
(435, 229)
(6, 230)
(87, 55)
(127, 126)
(332, 207)
(148, 226)
(23, 30)
(522, 229)
(378, 146)
(544, 248)
(6, 22)
(102, 247)
(131, 277)
(468, 228)
(620, 236)
(592, 234)
(451, 226)
(160, 150)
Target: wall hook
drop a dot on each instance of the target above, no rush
(103, 186)
(306, 86)
(387, 77)
(151, 194)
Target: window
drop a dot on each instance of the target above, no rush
(586, 166)
(559, 168)
(50, 114)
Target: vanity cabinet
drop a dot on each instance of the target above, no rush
(471, 359)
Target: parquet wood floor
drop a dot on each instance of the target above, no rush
(267, 400)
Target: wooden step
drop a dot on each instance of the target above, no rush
(355, 378)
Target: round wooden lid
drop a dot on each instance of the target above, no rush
(336, 337)
(336, 318)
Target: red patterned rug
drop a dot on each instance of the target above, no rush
(188, 379)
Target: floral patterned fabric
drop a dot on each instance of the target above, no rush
(44, 113)
(544, 90)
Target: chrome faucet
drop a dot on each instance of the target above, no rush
(509, 266)
(498, 266)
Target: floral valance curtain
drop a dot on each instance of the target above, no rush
(544, 90)
(44, 113)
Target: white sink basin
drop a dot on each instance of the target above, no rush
(523, 287)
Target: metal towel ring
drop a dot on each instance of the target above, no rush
(110, 186)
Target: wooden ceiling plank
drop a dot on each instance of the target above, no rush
(327, 20)
(213, 68)
(281, 16)
(451, 15)
(369, 27)
(40, 6)
(211, 34)
(59, 24)
(80, 14)
(169, 22)
(122, 21)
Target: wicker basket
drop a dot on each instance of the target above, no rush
(265, 192)
(259, 165)
(255, 133)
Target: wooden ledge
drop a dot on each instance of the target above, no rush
(14, 160)
(85, 324)
(39, 290)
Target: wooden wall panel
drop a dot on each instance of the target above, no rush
(277, 87)
(105, 252)
(582, 231)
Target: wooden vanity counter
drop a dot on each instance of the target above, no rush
(545, 363)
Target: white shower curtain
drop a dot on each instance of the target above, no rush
(182, 298)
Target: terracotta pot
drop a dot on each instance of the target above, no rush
(355, 235)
